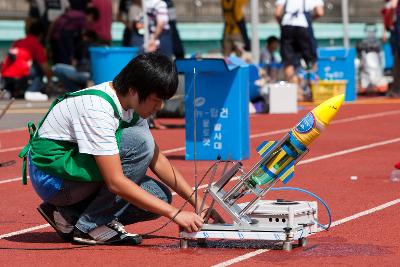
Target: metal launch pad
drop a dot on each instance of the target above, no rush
(279, 220)
(257, 219)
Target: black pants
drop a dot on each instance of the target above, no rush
(296, 43)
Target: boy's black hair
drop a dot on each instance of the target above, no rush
(272, 39)
(147, 74)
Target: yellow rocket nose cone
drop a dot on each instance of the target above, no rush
(328, 109)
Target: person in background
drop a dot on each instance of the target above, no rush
(67, 32)
(46, 12)
(80, 5)
(240, 52)
(234, 26)
(177, 44)
(102, 26)
(269, 60)
(123, 16)
(29, 49)
(35, 12)
(77, 75)
(159, 30)
(394, 88)
(297, 38)
(131, 14)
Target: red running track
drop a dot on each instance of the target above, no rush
(363, 141)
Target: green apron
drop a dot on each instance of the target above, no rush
(62, 158)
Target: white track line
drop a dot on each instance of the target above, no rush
(351, 150)
(335, 223)
(23, 231)
(356, 118)
(352, 119)
(13, 130)
(10, 180)
(11, 149)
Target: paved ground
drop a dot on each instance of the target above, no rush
(362, 141)
(21, 112)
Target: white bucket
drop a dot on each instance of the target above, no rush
(282, 98)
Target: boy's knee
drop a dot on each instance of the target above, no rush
(137, 142)
(148, 147)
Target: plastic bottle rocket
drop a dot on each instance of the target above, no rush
(281, 163)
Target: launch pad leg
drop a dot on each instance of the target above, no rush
(184, 243)
(287, 245)
(303, 242)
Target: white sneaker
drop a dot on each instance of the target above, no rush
(35, 96)
(111, 233)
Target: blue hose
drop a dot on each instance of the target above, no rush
(323, 226)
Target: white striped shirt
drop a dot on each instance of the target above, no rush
(88, 121)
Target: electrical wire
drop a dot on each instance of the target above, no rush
(323, 226)
(147, 234)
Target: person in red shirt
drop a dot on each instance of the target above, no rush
(102, 26)
(37, 61)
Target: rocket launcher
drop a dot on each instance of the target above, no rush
(277, 162)
(286, 153)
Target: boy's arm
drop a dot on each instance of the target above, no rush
(167, 173)
(117, 183)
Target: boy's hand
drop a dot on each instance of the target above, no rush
(189, 221)
(217, 218)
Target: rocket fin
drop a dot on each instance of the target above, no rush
(287, 173)
(265, 147)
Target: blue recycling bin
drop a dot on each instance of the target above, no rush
(107, 62)
(388, 56)
(221, 89)
(337, 63)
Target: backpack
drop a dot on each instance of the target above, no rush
(17, 63)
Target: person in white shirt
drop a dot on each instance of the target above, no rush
(297, 38)
(159, 29)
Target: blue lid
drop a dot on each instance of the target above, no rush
(209, 64)
(102, 49)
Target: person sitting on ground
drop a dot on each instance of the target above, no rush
(89, 157)
(67, 31)
(297, 36)
(268, 59)
(77, 75)
(27, 52)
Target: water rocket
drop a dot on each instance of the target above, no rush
(281, 164)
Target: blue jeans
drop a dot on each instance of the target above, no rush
(89, 205)
(72, 79)
(36, 79)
